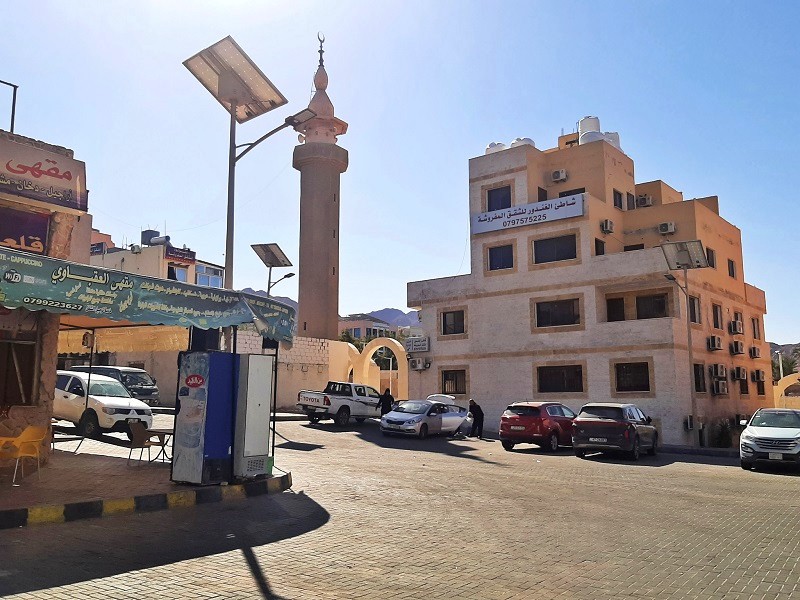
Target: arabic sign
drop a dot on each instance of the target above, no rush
(417, 344)
(528, 214)
(42, 175)
(180, 255)
(24, 231)
(97, 248)
(58, 286)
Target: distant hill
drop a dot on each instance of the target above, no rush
(786, 349)
(283, 299)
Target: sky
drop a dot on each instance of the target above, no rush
(703, 94)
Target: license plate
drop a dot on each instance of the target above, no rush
(518, 427)
(775, 456)
(132, 420)
(598, 440)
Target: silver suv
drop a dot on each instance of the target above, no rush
(772, 435)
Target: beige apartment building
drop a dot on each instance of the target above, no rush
(567, 297)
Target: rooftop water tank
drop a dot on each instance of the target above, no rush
(613, 138)
(495, 147)
(522, 141)
(587, 124)
(590, 136)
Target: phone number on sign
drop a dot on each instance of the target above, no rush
(52, 303)
(524, 220)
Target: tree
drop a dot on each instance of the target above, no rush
(346, 336)
(789, 366)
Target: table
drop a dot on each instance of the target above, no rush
(164, 436)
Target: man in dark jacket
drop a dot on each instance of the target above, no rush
(386, 401)
(477, 419)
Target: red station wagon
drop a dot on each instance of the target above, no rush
(548, 424)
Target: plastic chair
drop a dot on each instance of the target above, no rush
(141, 438)
(25, 445)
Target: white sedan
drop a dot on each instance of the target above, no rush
(421, 418)
(109, 406)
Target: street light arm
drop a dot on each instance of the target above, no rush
(252, 145)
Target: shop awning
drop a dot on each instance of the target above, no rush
(83, 291)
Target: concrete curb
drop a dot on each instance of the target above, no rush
(74, 511)
(718, 452)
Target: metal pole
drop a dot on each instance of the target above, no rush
(13, 107)
(269, 282)
(695, 435)
(229, 230)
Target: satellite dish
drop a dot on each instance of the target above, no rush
(301, 138)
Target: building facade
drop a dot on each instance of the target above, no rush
(366, 327)
(567, 297)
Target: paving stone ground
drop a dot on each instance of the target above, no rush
(371, 517)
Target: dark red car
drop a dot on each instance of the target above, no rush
(548, 424)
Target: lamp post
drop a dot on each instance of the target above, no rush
(779, 356)
(271, 285)
(685, 256)
(272, 256)
(15, 87)
(245, 92)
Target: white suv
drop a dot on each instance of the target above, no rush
(772, 435)
(109, 408)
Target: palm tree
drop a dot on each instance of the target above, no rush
(789, 366)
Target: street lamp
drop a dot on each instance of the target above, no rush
(15, 87)
(272, 256)
(273, 284)
(246, 93)
(685, 256)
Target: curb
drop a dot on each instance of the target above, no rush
(716, 452)
(90, 509)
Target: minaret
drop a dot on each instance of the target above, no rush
(320, 162)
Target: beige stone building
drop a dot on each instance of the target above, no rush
(567, 297)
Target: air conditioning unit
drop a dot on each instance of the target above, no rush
(757, 375)
(417, 364)
(666, 228)
(718, 371)
(607, 226)
(755, 352)
(688, 423)
(738, 373)
(136, 249)
(643, 200)
(736, 327)
(559, 175)
(737, 347)
(719, 388)
(714, 342)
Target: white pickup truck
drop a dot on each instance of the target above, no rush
(340, 401)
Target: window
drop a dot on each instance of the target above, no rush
(760, 389)
(731, 268)
(632, 247)
(756, 328)
(651, 307)
(208, 276)
(501, 257)
(699, 378)
(694, 309)
(744, 388)
(555, 411)
(567, 378)
(542, 195)
(571, 192)
(177, 273)
(716, 312)
(356, 332)
(454, 382)
(737, 316)
(633, 377)
(631, 201)
(615, 309)
(453, 322)
(711, 257)
(558, 312)
(617, 199)
(18, 370)
(338, 389)
(599, 247)
(554, 249)
(498, 198)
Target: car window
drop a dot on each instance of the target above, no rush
(523, 411)
(782, 418)
(414, 408)
(455, 409)
(61, 382)
(136, 378)
(567, 412)
(555, 411)
(641, 414)
(601, 412)
(631, 414)
(113, 389)
(75, 387)
(360, 391)
(338, 389)
(372, 393)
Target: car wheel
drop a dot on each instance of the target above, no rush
(635, 450)
(746, 464)
(580, 453)
(360, 419)
(423, 431)
(88, 426)
(508, 445)
(552, 442)
(342, 417)
(654, 450)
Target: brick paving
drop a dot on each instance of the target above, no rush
(372, 517)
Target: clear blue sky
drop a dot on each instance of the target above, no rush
(703, 94)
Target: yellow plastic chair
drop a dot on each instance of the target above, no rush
(25, 445)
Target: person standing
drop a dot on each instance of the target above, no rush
(477, 419)
(385, 402)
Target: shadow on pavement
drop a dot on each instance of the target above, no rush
(98, 548)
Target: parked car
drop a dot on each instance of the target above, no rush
(421, 418)
(339, 401)
(548, 424)
(611, 427)
(772, 435)
(109, 407)
(138, 382)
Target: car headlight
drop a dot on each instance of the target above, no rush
(111, 411)
(748, 437)
(148, 413)
(413, 421)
